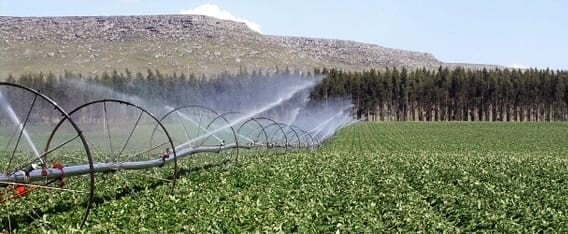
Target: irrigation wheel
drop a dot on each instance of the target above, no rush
(33, 188)
(195, 126)
(277, 135)
(132, 150)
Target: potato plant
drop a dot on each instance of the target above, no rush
(371, 177)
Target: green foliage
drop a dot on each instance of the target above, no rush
(154, 87)
(396, 177)
(455, 95)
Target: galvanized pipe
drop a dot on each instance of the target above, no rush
(77, 170)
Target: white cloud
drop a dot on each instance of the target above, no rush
(518, 66)
(215, 11)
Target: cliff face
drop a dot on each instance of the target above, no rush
(181, 43)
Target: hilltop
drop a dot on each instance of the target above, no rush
(181, 43)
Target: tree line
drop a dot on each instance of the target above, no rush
(378, 95)
(450, 95)
(222, 92)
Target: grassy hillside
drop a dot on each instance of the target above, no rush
(181, 43)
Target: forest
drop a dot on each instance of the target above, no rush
(450, 95)
(378, 95)
(157, 91)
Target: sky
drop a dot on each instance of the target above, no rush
(521, 33)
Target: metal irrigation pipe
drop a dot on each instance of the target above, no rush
(83, 169)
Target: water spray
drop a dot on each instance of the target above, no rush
(77, 175)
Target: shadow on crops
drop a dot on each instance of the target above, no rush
(132, 190)
(26, 218)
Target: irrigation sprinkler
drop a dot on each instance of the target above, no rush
(305, 139)
(111, 138)
(276, 135)
(290, 134)
(196, 125)
(118, 142)
(255, 128)
(249, 131)
(31, 114)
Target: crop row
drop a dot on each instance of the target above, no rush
(406, 177)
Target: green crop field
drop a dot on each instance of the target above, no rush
(405, 177)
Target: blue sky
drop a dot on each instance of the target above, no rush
(504, 32)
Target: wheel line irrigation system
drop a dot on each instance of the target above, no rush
(22, 173)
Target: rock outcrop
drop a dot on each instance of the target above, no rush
(181, 43)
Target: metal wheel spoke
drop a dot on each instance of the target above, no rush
(22, 127)
(107, 127)
(183, 125)
(44, 154)
(129, 136)
(146, 151)
(41, 111)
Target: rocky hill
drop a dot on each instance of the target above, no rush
(181, 43)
